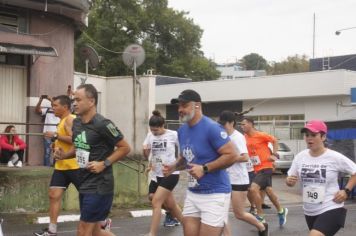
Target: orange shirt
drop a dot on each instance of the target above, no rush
(258, 150)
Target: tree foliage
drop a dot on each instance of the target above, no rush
(170, 39)
(254, 61)
(293, 64)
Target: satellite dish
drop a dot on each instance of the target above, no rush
(90, 56)
(133, 56)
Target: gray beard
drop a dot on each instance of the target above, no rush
(187, 118)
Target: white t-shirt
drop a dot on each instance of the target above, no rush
(163, 148)
(50, 118)
(319, 179)
(238, 171)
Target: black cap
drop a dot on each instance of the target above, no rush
(226, 116)
(188, 95)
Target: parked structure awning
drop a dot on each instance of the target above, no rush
(25, 44)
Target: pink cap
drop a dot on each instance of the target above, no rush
(315, 126)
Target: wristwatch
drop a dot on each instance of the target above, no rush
(107, 163)
(55, 137)
(347, 191)
(205, 169)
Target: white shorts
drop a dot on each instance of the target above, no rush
(212, 209)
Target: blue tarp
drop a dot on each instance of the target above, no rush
(342, 134)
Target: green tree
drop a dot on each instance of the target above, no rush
(293, 64)
(170, 39)
(254, 61)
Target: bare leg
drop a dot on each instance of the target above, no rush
(255, 192)
(55, 202)
(191, 226)
(274, 199)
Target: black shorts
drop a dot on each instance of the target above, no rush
(328, 222)
(251, 176)
(168, 182)
(62, 178)
(240, 187)
(263, 178)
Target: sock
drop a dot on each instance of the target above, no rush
(281, 211)
(103, 223)
(52, 228)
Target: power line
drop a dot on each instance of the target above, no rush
(92, 40)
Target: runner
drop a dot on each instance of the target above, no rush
(206, 150)
(260, 155)
(65, 171)
(317, 168)
(161, 144)
(95, 139)
(239, 177)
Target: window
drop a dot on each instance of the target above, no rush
(282, 126)
(9, 21)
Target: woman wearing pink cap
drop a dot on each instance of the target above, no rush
(317, 168)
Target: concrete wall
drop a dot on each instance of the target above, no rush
(117, 104)
(48, 75)
(26, 189)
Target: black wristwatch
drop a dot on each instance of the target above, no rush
(347, 191)
(55, 137)
(205, 169)
(107, 163)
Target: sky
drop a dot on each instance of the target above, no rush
(275, 29)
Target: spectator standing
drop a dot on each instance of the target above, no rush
(49, 128)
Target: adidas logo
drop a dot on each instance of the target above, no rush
(81, 141)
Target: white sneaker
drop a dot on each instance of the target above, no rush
(19, 164)
(10, 164)
(14, 158)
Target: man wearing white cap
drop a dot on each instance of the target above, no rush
(317, 168)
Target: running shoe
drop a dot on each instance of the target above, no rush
(265, 206)
(253, 210)
(45, 232)
(260, 219)
(107, 226)
(169, 221)
(264, 232)
(283, 217)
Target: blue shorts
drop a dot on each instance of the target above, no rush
(94, 207)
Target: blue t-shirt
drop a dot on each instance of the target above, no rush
(199, 144)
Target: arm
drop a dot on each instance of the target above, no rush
(68, 128)
(228, 156)
(5, 145)
(342, 195)
(38, 106)
(180, 164)
(274, 155)
(121, 151)
(22, 145)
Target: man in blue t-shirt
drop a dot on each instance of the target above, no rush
(205, 151)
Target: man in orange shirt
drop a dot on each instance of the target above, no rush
(262, 160)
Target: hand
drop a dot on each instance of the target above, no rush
(340, 196)
(48, 134)
(291, 180)
(96, 166)
(272, 158)
(58, 153)
(195, 170)
(16, 147)
(168, 169)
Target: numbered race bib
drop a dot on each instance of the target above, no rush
(157, 163)
(249, 166)
(192, 182)
(313, 194)
(255, 160)
(82, 158)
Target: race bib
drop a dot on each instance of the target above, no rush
(82, 158)
(255, 160)
(157, 163)
(313, 194)
(192, 182)
(249, 166)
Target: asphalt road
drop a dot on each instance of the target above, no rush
(124, 225)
